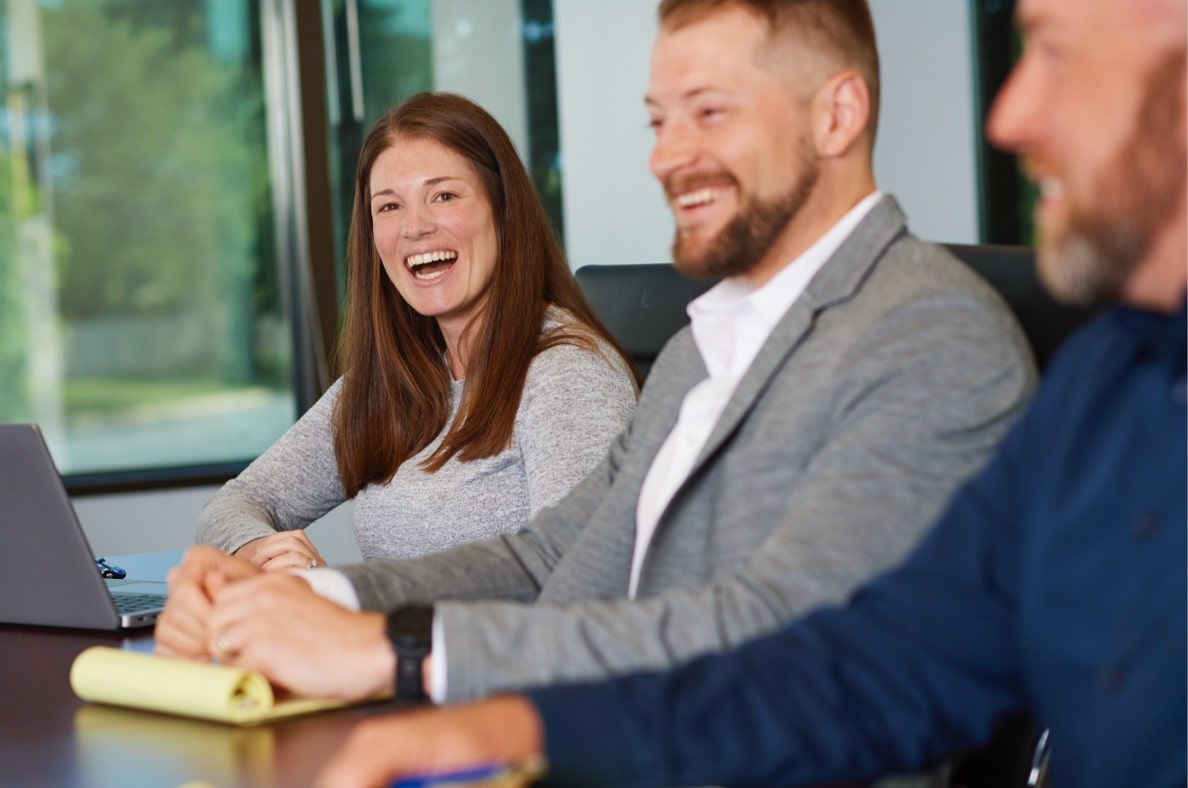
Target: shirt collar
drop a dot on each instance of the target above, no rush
(733, 307)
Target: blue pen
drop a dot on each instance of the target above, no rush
(110, 570)
(459, 777)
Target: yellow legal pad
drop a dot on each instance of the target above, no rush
(191, 689)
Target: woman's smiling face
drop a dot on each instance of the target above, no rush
(434, 230)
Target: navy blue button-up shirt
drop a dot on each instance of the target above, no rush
(1055, 582)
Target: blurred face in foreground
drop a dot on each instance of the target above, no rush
(1095, 107)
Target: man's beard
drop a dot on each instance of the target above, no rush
(1093, 258)
(741, 244)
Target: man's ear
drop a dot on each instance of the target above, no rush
(841, 112)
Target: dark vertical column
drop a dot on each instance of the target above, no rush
(319, 227)
(1006, 197)
(540, 89)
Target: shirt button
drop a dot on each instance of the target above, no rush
(1110, 677)
(1147, 525)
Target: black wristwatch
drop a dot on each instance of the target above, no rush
(410, 629)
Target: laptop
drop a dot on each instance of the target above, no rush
(48, 574)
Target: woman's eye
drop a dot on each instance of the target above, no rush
(445, 197)
(387, 207)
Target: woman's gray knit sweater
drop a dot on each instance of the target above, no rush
(574, 402)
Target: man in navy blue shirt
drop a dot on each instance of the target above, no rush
(1055, 582)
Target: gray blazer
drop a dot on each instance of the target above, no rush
(887, 383)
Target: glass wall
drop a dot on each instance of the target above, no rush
(141, 300)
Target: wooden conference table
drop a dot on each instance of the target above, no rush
(48, 737)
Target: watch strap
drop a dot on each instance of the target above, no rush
(410, 631)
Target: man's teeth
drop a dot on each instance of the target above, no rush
(699, 197)
(417, 260)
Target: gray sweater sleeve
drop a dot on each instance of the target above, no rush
(289, 486)
(573, 403)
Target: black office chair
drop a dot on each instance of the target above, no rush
(641, 305)
(644, 305)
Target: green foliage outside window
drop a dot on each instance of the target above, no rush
(160, 186)
(13, 377)
(146, 156)
(142, 319)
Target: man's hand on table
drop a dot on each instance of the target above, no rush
(221, 608)
(277, 624)
(503, 730)
(183, 627)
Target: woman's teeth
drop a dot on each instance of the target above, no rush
(424, 266)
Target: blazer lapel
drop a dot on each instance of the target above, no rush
(661, 400)
(837, 281)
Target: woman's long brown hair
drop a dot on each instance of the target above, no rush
(395, 396)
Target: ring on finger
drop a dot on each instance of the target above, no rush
(222, 646)
(313, 564)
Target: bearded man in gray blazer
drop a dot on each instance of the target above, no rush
(830, 393)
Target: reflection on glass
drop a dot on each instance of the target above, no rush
(140, 313)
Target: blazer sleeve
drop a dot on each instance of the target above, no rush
(920, 410)
(923, 661)
(287, 487)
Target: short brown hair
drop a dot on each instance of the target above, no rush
(843, 28)
(396, 385)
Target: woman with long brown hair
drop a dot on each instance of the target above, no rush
(478, 386)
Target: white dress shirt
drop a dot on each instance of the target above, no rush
(730, 323)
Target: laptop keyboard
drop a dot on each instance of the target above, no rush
(137, 603)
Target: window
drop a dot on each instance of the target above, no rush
(142, 317)
(169, 283)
